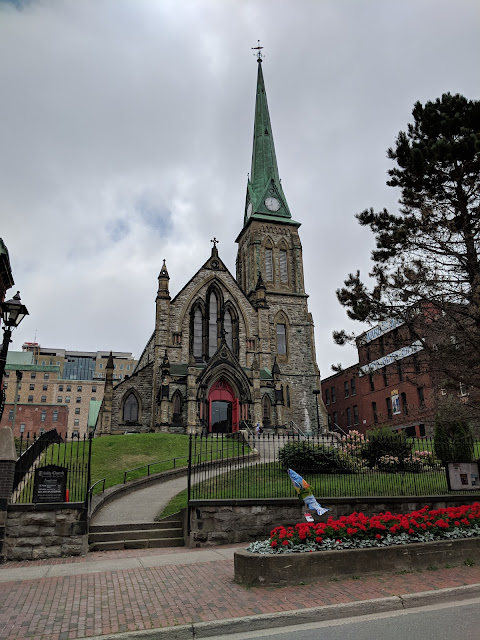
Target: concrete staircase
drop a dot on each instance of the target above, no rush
(143, 535)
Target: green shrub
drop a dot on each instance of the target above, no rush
(453, 434)
(383, 443)
(305, 457)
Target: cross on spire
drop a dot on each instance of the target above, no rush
(258, 49)
(215, 242)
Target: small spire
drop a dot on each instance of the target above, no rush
(163, 271)
(110, 361)
(163, 279)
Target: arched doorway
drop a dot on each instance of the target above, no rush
(222, 408)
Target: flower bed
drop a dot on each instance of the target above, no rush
(358, 545)
(358, 531)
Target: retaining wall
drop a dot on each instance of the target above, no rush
(280, 570)
(215, 522)
(35, 531)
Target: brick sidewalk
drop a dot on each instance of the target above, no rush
(78, 606)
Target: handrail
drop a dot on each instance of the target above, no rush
(90, 491)
(247, 428)
(340, 428)
(152, 464)
(297, 428)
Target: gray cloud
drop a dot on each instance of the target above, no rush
(126, 132)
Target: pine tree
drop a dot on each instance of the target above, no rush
(426, 265)
(453, 434)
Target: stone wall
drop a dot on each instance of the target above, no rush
(35, 531)
(216, 522)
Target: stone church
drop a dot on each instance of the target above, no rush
(231, 351)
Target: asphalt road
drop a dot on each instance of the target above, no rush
(452, 621)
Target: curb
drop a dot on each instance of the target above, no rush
(299, 616)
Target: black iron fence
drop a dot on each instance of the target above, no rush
(72, 456)
(333, 466)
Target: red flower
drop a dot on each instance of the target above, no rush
(378, 536)
(285, 543)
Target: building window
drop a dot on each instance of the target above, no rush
(30, 398)
(58, 363)
(197, 333)
(67, 399)
(421, 396)
(55, 415)
(329, 422)
(59, 398)
(33, 375)
(60, 387)
(372, 384)
(334, 399)
(46, 376)
(267, 406)
(32, 387)
(42, 431)
(177, 408)
(121, 367)
(43, 363)
(100, 366)
(227, 325)
(128, 367)
(416, 363)
(327, 396)
(77, 410)
(283, 266)
(346, 389)
(45, 387)
(94, 389)
(403, 397)
(114, 366)
(335, 419)
(10, 414)
(355, 414)
(43, 399)
(75, 434)
(353, 387)
(389, 408)
(79, 389)
(281, 340)
(399, 371)
(349, 417)
(79, 399)
(130, 408)
(69, 387)
(76, 423)
(43, 417)
(268, 265)
(22, 428)
(212, 325)
(93, 398)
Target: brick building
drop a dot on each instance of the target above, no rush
(231, 350)
(34, 379)
(393, 384)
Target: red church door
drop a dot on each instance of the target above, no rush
(223, 408)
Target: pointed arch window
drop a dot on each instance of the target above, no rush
(268, 264)
(177, 408)
(281, 339)
(283, 266)
(130, 408)
(227, 325)
(266, 409)
(197, 333)
(212, 324)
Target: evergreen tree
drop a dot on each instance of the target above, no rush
(426, 265)
(453, 434)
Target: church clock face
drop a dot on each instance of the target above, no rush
(272, 204)
(249, 209)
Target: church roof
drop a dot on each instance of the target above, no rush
(265, 198)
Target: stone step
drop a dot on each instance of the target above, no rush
(134, 534)
(140, 543)
(137, 526)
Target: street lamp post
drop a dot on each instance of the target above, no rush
(315, 393)
(13, 312)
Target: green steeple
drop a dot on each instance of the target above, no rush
(265, 198)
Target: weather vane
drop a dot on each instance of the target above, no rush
(215, 242)
(258, 49)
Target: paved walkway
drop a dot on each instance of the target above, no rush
(138, 591)
(141, 505)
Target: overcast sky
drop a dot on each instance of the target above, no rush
(126, 136)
